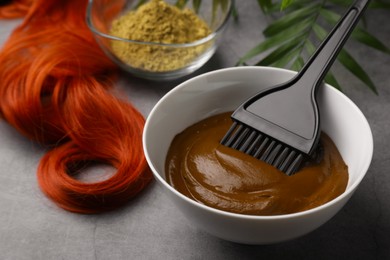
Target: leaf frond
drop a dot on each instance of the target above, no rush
(289, 37)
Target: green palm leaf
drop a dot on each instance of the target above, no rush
(267, 6)
(368, 39)
(331, 80)
(359, 34)
(298, 63)
(351, 64)
(288, 39)
(291, 18)
(280, 53)
(301, 28)
(286, 3)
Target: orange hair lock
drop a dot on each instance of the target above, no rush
(55, 89)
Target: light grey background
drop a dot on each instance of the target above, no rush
(150, 227)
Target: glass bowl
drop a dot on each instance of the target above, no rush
(179, 59)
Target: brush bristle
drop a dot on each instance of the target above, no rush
(263, 147)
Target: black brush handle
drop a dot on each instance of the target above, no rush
(320, 62)
(289, 112)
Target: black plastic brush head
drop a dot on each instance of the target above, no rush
(281, 124)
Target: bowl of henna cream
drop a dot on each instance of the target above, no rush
(234, 196)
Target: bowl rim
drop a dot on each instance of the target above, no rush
(349, 191)
(209, 37)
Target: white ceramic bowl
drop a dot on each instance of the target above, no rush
(224, 90)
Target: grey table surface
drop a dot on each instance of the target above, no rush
(150, 227)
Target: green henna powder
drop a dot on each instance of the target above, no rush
(159, 22)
